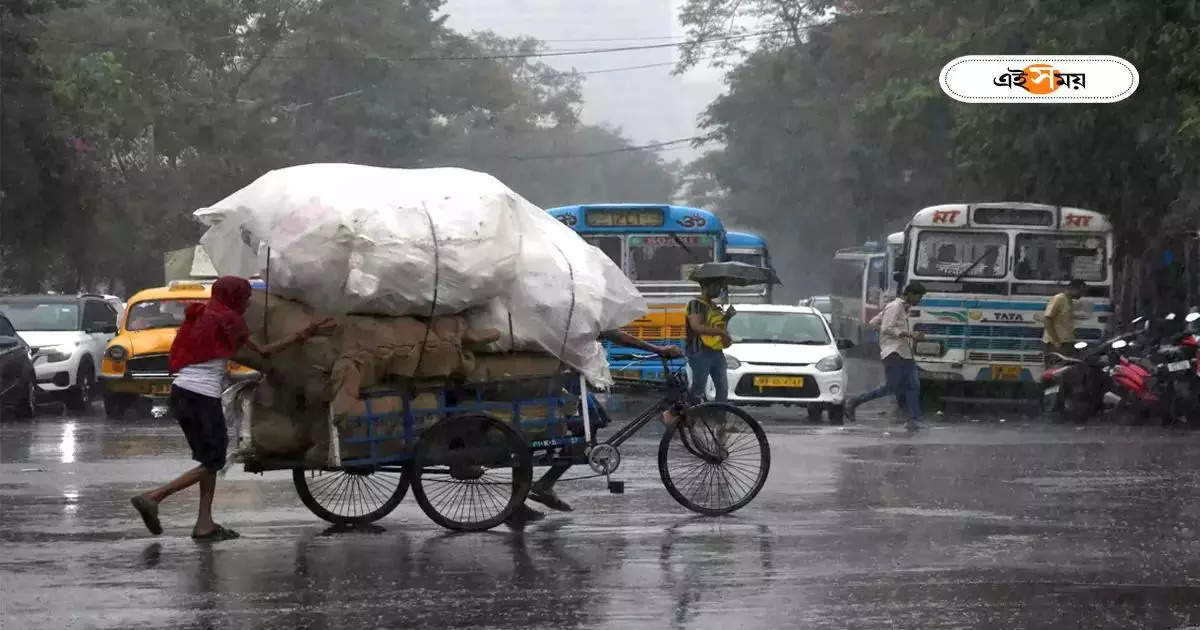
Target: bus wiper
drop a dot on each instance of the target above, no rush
(973, 265)
(695, 257)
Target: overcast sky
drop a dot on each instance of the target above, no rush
(648, 104)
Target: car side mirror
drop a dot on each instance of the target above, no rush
(844, 344)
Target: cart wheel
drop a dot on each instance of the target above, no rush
(714, 459)
(470, 472)
(351, 496)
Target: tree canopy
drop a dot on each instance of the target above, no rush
(121, 117)
(834, 123)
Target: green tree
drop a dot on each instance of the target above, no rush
(842, 128)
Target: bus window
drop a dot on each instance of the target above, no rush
(1059, 257)
(876, 281)
(953, 253)
(665, 258)
(847, 279)
(749, 259)
(610, 245)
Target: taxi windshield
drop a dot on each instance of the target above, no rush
(149, 314)
(794, 328)
(668, 257)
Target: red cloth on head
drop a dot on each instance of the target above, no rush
(213, 330)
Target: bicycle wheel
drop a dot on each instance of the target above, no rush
(470, 472)
(714, 459)
(350, 496)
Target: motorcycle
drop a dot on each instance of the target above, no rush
(1073, 387)
(1105, 376)
(1177, 372)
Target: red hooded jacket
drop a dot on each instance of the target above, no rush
(213, 330)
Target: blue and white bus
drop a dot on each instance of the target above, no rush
(751, 249)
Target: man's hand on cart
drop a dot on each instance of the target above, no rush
(323, 327)
(668, 352)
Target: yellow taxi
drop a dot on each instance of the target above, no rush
(134, 367)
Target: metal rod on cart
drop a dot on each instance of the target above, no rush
(587, 418)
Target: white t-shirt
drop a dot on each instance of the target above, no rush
(206, 379)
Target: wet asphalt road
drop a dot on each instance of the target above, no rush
(968, 524)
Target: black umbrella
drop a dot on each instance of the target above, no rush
(735, 274)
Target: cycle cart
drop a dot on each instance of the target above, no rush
(469, 458)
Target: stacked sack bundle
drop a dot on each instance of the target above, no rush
(429, 273)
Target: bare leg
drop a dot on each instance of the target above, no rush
(208, 488)
(186, 480)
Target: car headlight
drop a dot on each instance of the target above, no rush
(830, 363)
(55, 354)
(732, 363)
(928, 348)
(116, 353)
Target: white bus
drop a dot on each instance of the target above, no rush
(863, 283)
(990, 269)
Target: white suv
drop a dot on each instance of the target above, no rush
(785, 355)
(67, 335)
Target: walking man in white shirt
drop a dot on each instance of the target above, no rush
(896, 350)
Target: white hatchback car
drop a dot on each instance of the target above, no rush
(785, 355)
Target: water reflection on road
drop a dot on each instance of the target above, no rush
(1020, 525)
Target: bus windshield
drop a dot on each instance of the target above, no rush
(967, 254)
(610, 245)
(1060, 257)
(668, 258)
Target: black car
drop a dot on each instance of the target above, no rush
(18, 382)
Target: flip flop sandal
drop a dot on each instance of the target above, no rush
(149, 511)
(550, 500)
(218, 534)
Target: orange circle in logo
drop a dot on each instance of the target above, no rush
(1041, 78)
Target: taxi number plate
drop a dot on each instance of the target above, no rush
(1006, 372)
(1178, 366)
(779, 381)
(158, 390)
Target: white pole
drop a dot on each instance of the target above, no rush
(583, 400)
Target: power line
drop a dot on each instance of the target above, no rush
(669, 145)
(485, 57)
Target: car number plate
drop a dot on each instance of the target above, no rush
(1178, 366)
(1006, 372)
(779, 381)
(1052, 390)
(160, 390)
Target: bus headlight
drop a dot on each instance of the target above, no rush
(830, 363)
(732, 363)
(928, 348)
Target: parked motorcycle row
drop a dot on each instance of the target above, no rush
(1151, 373)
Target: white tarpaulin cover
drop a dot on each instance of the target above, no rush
(349, 238)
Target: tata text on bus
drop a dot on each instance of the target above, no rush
(990, 269)
(657, 246)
